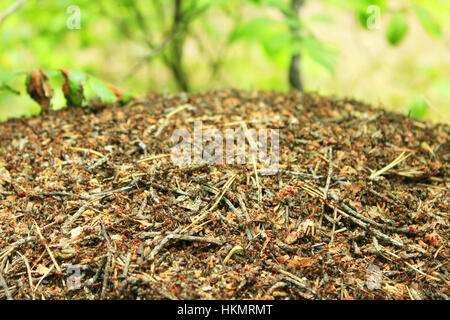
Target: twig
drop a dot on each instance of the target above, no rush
(91, 281)
(330, 172)
(160, 156)
(3, 281)
(44, 241)
(146, 235)
(98, 163)
(286, 217)
(234, 250)
(249, 232)
(64, 194)
(27, 264)
(254, 148)
(11, 9)
(148, 57)
(43, 277)
(98, 154)
(228, 202)
(317, 193)
(127, 265)
(205, 211)
(363, 218)
(295, 280)
(334, 225)
(161, 244)
(108, 261)
(14, 245)
(391, 165)
(148, 279)
(411, 266)
(68, 224)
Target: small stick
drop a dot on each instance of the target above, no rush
(357, 221)
(234, 250)
(131, 185)
(149, 280)
(330, 172)
(64, 194)
(412, 267)
(72, 219)
(98, 163)
(3, 281)
(25, 260)
(296, 280)
(43, 277)
(301, 174)
(334, 225)
(98, 154)
(14, 245)
(44, 241)
(379, 195)
(108, 261)
(160, 156)
(159, 246)
(10, 10)
(146, 235)
(127, 265)
(204, 212)
(249, 232)
(254, 147)
(228, 202)
(286, 217)
(91, 281)
(391, 165)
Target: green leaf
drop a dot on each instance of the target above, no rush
(56, 81)
(254, 29)
(276, 43)
(77, 81)
(418, 108)
(283, 7)
(6, 76)
(397, 29)
(101, 90)
(429, 24)
(274, 36)
(126, 96)
(318, 52)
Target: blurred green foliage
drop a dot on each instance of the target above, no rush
(191, 45)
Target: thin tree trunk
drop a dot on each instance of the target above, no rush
(295, 78)
(176, 48)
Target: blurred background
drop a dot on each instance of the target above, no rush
(393, 54)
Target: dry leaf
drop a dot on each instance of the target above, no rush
(291, 237)
(41, 269)
(75, 232)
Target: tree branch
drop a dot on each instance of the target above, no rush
(10, 10)
(148, 57)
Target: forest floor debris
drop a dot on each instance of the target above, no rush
(93, 207)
